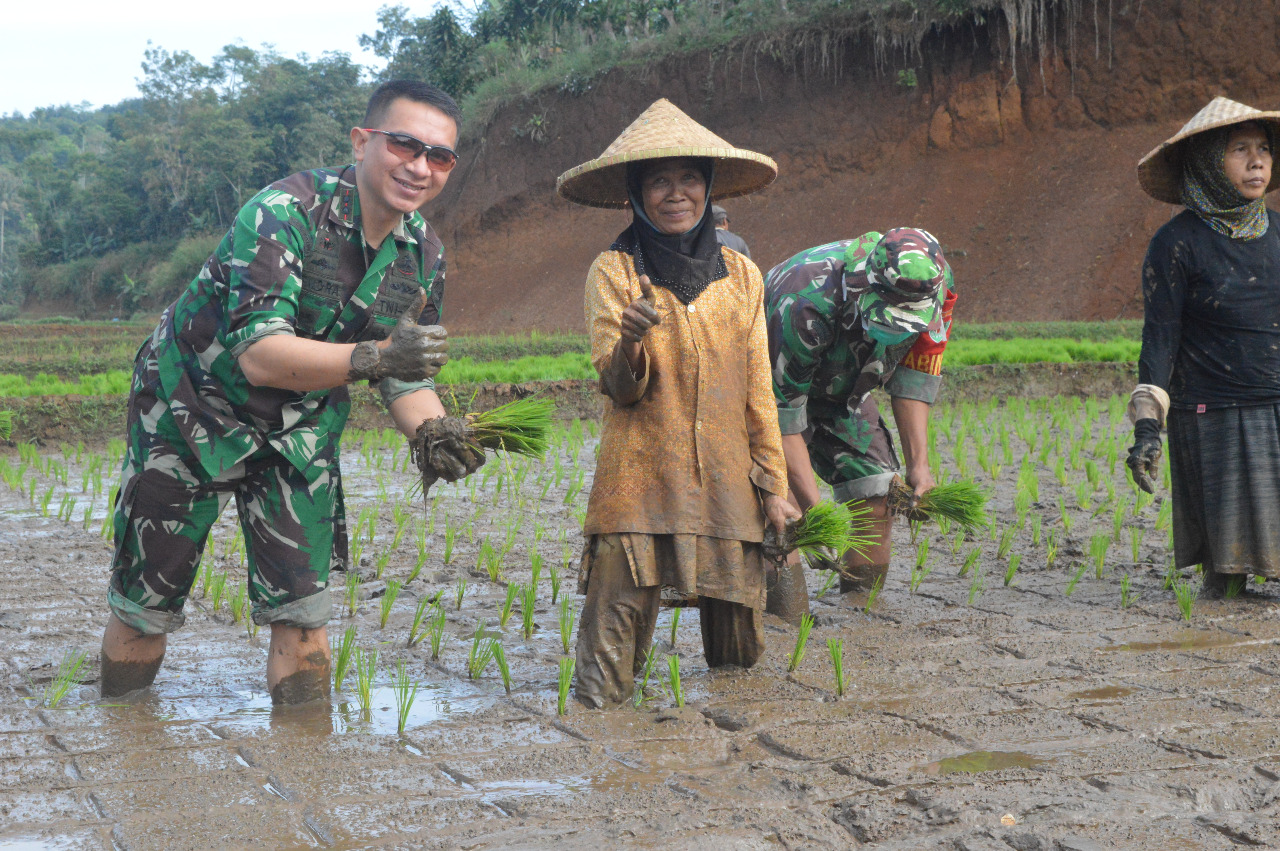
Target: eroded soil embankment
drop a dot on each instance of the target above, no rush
(1025, 170)
(1048, 713)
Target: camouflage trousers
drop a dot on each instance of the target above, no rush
(852, 453)
(294, 530)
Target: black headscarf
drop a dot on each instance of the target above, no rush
(1210, 194)
(687, 263)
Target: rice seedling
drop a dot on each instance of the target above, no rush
(535, 568)
(491, 561)
(970, 559)
(419, 619)
(1011, 571)
(566, 677)
(1170, 578)
(520, 427)
(874, 594)
(962, 502)
(829, 579)
(919, 572)
(6, 425)
(802, 638)
(239, 602)
(1060, 472)
(341, 650)
(1165, 516)
(1234, 587)
(64, 679)
(1127, 595)
(405, 691)
(836, 647)
(481, 653)
(380, 562)
(459, 591)
(1074, 580)
(675, 624)
(1098, 546)
(553, 573)
(1036, 524)
(217, 587)
(528, 599)
(388, 600)
(435, 632)
(1006, 542)
(504, 613)
(646, 673)
(1117, 520)
(366, 663)
(677, 691)
(567, 616)
(976, 586)
(1067, 520)
(1091, 473)
(450, 533)
(1185, 591)
(827, 530)
(1135, 542)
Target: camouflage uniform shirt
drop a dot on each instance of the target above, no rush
(294, 262)
(825, 363)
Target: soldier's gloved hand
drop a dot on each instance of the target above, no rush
(441, 450)
(413, 352)
(1144, 455)
(640, 315)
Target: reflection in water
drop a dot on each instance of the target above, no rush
(1103, 693)
(978, 761)
(1189, 639)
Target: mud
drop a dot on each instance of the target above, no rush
(1015, 717)
(120, 678)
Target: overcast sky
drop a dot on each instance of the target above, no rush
(74, 51)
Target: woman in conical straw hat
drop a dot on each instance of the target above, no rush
(690, 465)
(1210, 364)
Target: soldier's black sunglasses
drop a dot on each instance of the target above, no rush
(407, 147)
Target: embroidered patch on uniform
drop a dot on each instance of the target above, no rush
(1200, 409)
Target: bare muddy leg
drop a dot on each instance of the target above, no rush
(864, 571)
(732, 634)
(298, 665)
(788, 596)
(130, 659)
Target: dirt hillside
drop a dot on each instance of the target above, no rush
(1023, 168)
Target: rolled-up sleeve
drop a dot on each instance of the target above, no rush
(799, 332)
(919, 375)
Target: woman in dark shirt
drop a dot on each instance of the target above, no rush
(1211, 343)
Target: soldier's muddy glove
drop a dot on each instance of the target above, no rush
(1144, 455)
(441, 450)
(778, 514)
(413, 352)
(640, 315)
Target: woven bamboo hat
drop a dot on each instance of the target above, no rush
(1160, 172)
(663, 130)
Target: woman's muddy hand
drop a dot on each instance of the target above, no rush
(640, 315)
(779, 513)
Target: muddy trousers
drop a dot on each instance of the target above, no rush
(617, 623)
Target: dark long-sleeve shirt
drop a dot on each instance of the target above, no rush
(1212, 306)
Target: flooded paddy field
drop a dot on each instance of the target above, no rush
(1074, 707)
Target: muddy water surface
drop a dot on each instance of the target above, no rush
(1011, 717)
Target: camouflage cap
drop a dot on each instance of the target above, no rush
(900, 280)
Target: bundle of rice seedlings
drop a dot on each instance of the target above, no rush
(826, 531)
(963, 503)
(522, 427)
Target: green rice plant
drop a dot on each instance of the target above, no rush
(366, 662)
(535, 568)
(1060, 472)
(566, 677)
(976, 586)
(802, 638)
(481, 653)
(450, 533)
(677, 691)
(1011, 571)
(961, 502)
(1051, 551)
(1098, 546)
(675, 624)
(1006, 542)
(459, 591)
(1067, 520)
(567, 616)
(1185, 591)
(436, 633)
(500, 657)
(520, 427)
(1091, 473)
(836, 647)
(1165, 516)
(646, 673)
(6, 425)
(528, 600)
(874, 594)
(380, 562)
(829, 580)
(239, 602)
(405, 691)
(1135, 542)
(1234, 587)
(1118, 517)
(44, 501)
(1075, 578)
(1028, 482)
(341, 650)
(970, 559)
(64, 679)
(827, 530)
(388, 600)
(553, 573)
(504, 613)
(1170, 578)
(352, 590)
(419, 619)
(919, 572)
(217, 587)
(1036, 523)
(1127, 596)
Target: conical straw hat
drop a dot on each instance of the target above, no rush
(1160, 172)
(663, 130)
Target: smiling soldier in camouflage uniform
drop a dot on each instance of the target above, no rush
(326, 277)
(845, 318)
